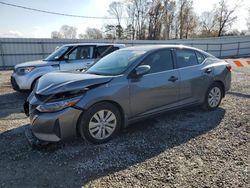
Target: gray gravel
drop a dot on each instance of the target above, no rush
(187, 148)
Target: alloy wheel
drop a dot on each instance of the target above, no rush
(214, 97)
(102, 124)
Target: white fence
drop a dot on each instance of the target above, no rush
(18, 50)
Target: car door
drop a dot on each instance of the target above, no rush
(159, 88)
(194, 76)
(78, 58)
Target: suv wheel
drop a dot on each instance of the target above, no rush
(213, 97)
(100, 123)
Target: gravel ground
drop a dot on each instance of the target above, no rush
(187, 148)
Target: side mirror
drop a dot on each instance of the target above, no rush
(141, 70)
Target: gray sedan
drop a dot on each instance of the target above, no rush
(123, 87)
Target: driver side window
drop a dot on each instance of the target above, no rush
(82, 52)
(159, 61)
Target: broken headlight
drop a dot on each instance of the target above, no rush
(57, 106)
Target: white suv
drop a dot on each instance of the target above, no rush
(68, 57)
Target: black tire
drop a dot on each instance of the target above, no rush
(88, 116)
(206, 105)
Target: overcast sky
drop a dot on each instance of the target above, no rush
(16, 22)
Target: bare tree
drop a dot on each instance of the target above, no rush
(93, 33)
(137, 11)
(186, 19)
(190, 22)
(141, 12)
(234, 32)
(168, 18)
(56, 35)
(181, 18)
(110, 31)
(224, 16)
(116, 10)
(208, 24)
(65, 31)
(155, 20)
(130, 21)
(68, 31)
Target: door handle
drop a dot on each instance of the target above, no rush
(172, 79)
(208, 70)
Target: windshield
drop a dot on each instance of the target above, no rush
(115, 63)
(57, 53)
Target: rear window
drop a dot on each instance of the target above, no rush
(185, 58)
(200, 57)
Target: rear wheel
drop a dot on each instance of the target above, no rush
(213, 97)
(100, 123)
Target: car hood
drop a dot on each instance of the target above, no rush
(37, 63)
(57, 82)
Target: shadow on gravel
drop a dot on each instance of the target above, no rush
(238, 94)
(11, 103)
(74, 163)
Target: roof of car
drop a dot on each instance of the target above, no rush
(154, 47)
(96, 44)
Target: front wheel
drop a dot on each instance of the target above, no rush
(213, 97)
(100, 123)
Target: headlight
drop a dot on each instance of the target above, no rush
(57, 106)
(24, 70)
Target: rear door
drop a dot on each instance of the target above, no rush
(157, 89)
(194, 78)
(78, 58)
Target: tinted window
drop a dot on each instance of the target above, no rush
(185, 58)
(200, 57)
(110, 50)
(101, 50)
(82, 52)
(105, 50)
(159, 61)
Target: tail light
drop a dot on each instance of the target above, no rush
(229, 68)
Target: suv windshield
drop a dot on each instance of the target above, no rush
(57, 54)
(115, 63)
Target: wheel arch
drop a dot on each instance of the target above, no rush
(34, 82)
(222, 86)
(117, 105)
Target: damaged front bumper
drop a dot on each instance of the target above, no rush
(52, 126)
(33, 141)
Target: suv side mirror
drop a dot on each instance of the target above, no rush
(141, 70)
